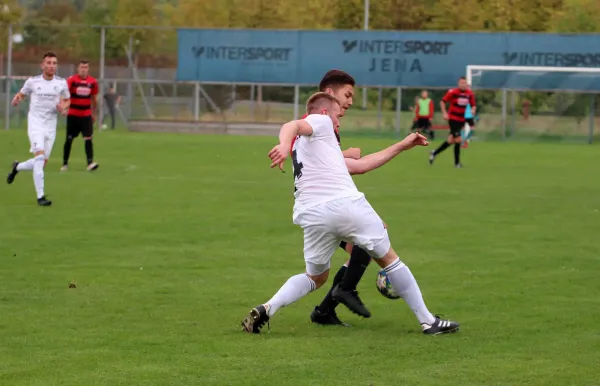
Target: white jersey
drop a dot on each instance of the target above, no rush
(45, 96)
(320, 172)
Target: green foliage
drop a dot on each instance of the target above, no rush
(578, 16)
(10, 12)
(47, 25)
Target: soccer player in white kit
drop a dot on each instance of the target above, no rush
(329, 208)
(49, 95)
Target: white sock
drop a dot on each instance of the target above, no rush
(406, 286)
(38, 175)
(293, 290)
(26, 165)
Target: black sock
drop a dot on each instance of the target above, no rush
(67, 150)
(456, 153)
(89, 151)
(359, 261)
(329, 304)
(442, 147)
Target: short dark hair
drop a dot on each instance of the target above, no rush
(462, 78)
(336, 78)
(84, 61)
(49, 54)
(319, 100)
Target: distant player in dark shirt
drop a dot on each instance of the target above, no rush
(112, 103)
(80, 119)
(458, 99)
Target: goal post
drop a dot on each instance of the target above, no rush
(557, 103)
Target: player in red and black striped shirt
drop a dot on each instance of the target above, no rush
(80, 119)
(458, 99)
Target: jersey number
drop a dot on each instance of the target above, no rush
(297, 165)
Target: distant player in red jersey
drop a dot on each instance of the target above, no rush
(458, 99)
(80, 119)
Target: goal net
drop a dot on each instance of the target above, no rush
(557, 103)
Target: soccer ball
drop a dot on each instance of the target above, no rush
(385, 287)
(104, 127)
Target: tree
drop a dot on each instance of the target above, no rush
(577, 16)
(134, 13)
(457, 15)
(50, 27)
(349, 14)
(10, 13)
(400, 14)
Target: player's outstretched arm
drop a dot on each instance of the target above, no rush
(288, 132)
(376, 160)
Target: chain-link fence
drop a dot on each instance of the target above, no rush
(140, 63)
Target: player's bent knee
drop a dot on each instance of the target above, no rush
(387, 259)
(348, 248)
(39, 153)
(319, 279)
(87, 138)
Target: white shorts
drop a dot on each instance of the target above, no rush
(349, 219)
(41, 140)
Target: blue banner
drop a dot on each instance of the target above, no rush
(374, 58)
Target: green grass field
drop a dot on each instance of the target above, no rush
(176, 237)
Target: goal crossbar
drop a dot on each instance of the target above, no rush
(473, 67)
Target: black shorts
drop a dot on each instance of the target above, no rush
(471, 122)
(455, 127)
(423, 123)
(77, 125)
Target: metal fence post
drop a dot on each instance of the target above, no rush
(379, 107)
(197, 101)
(8, 78)
(252, 104)
(101, 91)
(130, 84)
(398, 110)
(296, 101)
(592, 118)
(504, 109)
(513, 112)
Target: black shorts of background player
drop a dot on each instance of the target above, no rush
(423, 124)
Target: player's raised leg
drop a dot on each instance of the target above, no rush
(406, 286)
(369, 232)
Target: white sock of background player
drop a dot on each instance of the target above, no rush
(294, 289)
(26, 165)
(406, 286)
(38, 175)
